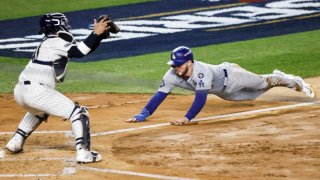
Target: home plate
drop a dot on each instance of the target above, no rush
(1, 153)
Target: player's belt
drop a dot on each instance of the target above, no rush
(26, 82)
(225, 78)
(29, 82)
(48, 63)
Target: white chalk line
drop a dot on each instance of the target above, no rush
(211, 118)
(114, 171)
(27, 175)
(40, 159)
(1, 153)
(257, 111)
(129, 129)
(65, 172)
(116, 105)
(72, 170)
(40, 132)
(68, 133)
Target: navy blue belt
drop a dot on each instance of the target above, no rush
(225, 73)
(47, 63)
(225, 78)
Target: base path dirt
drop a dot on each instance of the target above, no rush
(278, 144)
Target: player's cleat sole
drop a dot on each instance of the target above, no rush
(84, 156)
(306, 88)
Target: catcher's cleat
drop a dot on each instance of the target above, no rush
(85, 156)
(306, 88)
(15, 145)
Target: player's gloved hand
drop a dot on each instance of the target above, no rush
(111, 26)
(101, 28)
(182, 122)
(140, 117)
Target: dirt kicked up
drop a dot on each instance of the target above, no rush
(274, 144)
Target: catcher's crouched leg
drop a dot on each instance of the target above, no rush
(27, 125)
(81, 128)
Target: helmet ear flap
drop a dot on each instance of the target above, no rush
(43, 24)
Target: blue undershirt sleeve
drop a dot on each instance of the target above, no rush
(198, 103)
(154, 102)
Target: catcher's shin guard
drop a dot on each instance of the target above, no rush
(81, 126)
(86, 128)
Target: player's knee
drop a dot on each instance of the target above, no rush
(43, 117)
(78, 111)
(274, 80)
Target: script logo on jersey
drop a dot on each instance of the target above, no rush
(183, 26)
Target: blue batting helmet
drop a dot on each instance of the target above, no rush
(180, 55)
(53, 22)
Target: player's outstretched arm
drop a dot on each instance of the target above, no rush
(198, 103)
(148, 110)
(100, 28)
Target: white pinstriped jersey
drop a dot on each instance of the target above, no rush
(51, 49)
(40, 95)
(35, 90)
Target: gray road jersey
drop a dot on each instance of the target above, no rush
(204, 77)
(239, 84)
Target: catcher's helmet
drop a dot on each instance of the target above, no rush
(180, 55)
(53, 22)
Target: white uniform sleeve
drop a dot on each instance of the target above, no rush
(167, 83)
(52, 49)
(63, 47)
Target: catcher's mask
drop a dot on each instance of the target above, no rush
(53, 22)
(179, 56)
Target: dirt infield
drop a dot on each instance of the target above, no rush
(278, 144)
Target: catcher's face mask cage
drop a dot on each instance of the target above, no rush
(179, 56)
(53, 22)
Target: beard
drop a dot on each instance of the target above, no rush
(182, 73)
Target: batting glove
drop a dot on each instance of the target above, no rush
(140, 117)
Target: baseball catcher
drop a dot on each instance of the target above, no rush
(36, 93)
(227, 80)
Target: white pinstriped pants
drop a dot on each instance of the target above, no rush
(39, 99)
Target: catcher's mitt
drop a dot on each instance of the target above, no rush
(114, 29)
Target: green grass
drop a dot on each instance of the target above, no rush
(295, 53)
(12, 9)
